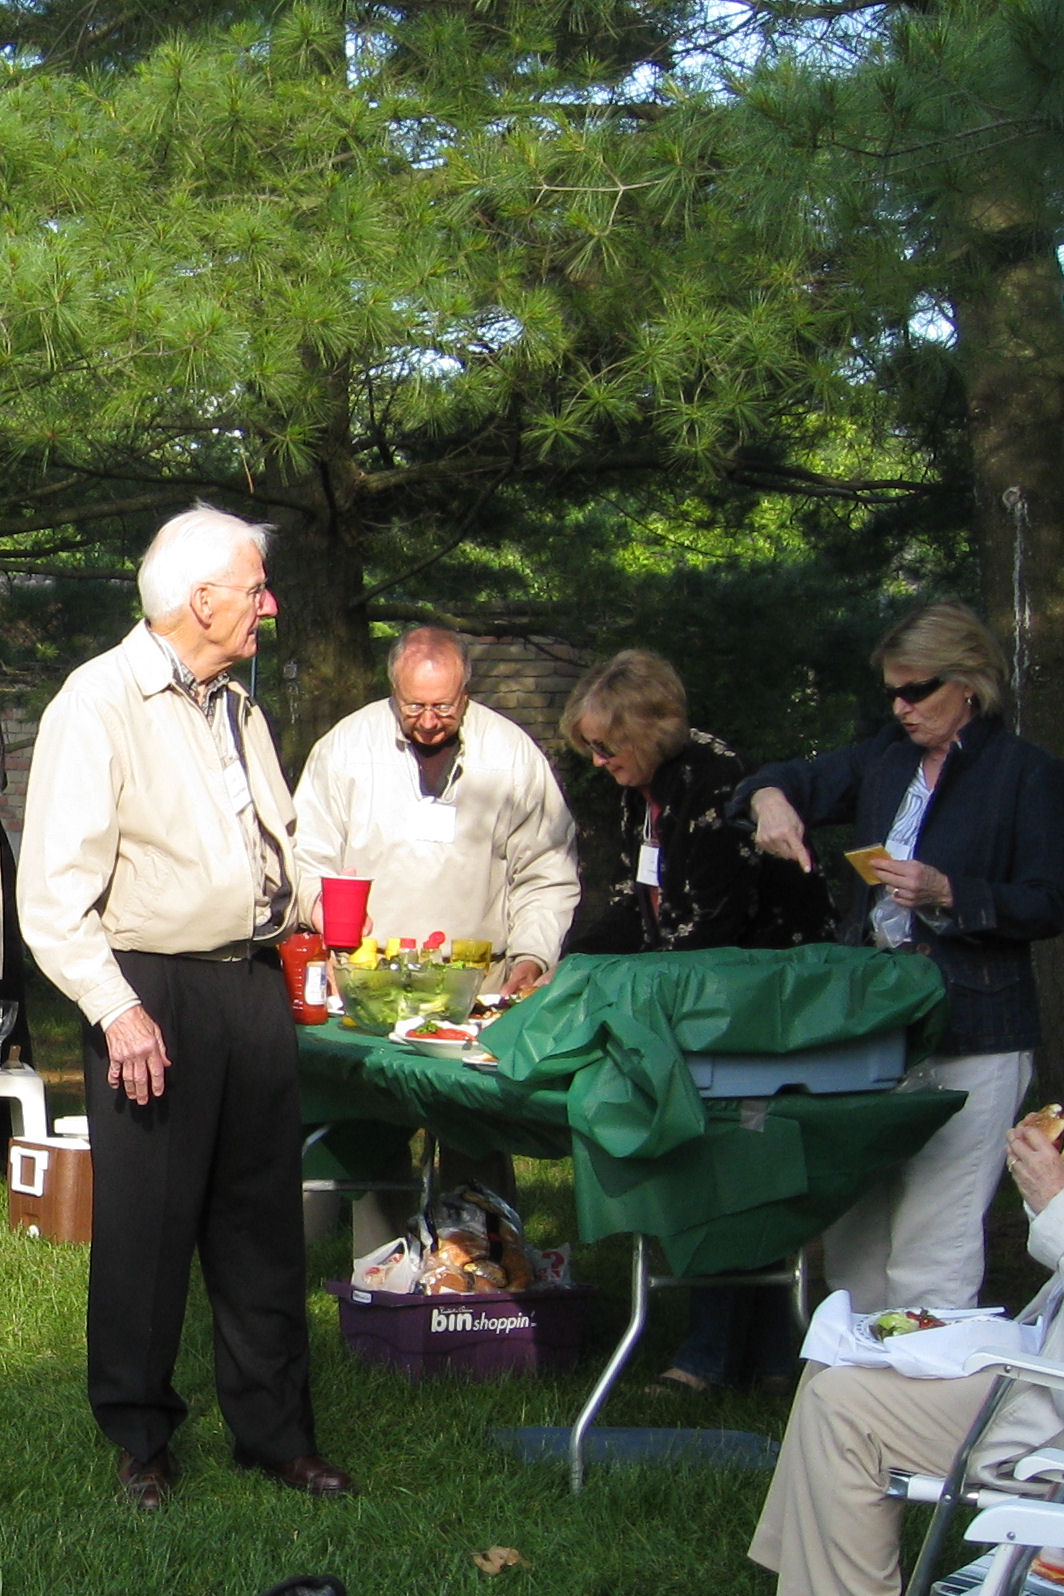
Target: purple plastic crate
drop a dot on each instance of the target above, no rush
(482, 1335)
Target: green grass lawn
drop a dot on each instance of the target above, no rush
(434, 1489)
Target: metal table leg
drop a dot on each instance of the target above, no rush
(794, 1274)
(604, 1383)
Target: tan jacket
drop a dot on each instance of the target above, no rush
(508, 872)
(1032, 1415)
(130, 838)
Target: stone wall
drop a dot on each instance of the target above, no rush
(19, 728)
(529, 681)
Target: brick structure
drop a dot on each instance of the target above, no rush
(527, 680)
(19, 727)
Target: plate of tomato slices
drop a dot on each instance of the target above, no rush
(435, 1038)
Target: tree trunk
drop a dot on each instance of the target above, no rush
(323, 634)
(318, 560)
(322, 631)
(1012, 349)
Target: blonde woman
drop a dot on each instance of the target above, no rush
(689, 879)
(972, 818)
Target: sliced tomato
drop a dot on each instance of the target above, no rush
(441, 1033)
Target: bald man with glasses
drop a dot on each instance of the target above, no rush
(450, 809)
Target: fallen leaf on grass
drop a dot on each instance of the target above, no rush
(496, 1558)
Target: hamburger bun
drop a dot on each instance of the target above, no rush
(1049, 1120)
(460, 1248)
(518, 1274)
(488, 1269)
(443, 1281)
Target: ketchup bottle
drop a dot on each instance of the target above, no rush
(303, 962)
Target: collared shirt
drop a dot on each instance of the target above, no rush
(219, 709)
(436, 764)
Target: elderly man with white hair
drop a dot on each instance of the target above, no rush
(156, 876)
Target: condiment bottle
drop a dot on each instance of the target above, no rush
(303, 962)
(364, 957)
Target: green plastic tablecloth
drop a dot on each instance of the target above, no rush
(594, 1064)
(346, 1075)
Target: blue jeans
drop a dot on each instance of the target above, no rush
(737, 1333)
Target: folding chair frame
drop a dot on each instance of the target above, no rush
(1010, 1570)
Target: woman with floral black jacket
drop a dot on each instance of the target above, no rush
(688, 879)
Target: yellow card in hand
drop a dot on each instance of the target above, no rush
(860, 858)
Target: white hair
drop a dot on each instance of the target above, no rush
(199, 545)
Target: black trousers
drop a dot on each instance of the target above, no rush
(213, 1164)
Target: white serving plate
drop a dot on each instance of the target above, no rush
(429, 1046)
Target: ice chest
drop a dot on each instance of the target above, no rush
(49, 1186)
(866, 1064)
(482, 1335)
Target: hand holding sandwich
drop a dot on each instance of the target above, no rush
(1033, 1156)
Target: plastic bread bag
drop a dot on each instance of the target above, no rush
(551, 1265)
(472, 1241)
(391, 1267)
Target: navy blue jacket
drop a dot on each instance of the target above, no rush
(994, 826)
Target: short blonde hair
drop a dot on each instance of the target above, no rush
(949, 640)
(638, 700)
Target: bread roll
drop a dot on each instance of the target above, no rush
(1049, 1120)
(518, 1273)
(461, 1247)
(443, 1280)
(492, 1275)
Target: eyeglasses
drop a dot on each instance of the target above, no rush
(441, 711)
(600, 750)
(914, 692)
(255, 594)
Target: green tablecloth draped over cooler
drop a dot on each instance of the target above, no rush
(594, 1065)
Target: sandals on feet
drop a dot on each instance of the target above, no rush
(673, 1385)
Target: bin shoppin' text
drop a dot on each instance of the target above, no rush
(465, 1319)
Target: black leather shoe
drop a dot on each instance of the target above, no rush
(147, 1485)
(311, 1474)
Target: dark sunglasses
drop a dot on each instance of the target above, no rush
(914, 692)
(603, 750)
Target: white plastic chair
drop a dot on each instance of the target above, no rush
(1017, 1526)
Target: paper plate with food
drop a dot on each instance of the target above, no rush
(925, 1343)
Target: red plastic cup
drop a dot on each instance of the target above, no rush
(343, 909)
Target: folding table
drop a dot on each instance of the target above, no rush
(597, 1066)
